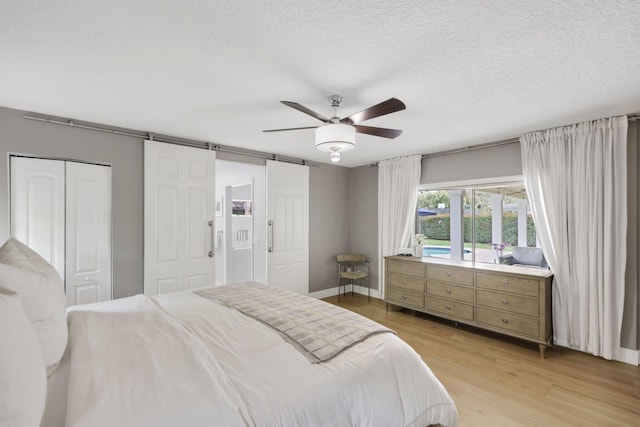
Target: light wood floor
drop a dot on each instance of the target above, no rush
(500, 381)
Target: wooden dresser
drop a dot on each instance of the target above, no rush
(511, 300)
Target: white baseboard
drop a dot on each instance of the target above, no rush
(632, 357)
(325, 293)
(362, 290)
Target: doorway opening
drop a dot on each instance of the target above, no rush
(240, 222)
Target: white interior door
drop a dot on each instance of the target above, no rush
(38, 208)
(88, 233)
(288, 226)
(179, 192)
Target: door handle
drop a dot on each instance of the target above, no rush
(270, 236)
(213, 241)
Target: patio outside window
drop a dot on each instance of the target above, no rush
(477, 224)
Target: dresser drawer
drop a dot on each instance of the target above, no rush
(450, 290)
(507, 302)
(405, 282)
(446, 274)
(405, 298)
(516, 285)
(406, 267)
(511, 322)
(450, 308)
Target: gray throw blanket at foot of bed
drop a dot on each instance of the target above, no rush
(317, 329)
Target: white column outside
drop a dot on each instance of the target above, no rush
(456, 230)
(496, 217)
(522, 222)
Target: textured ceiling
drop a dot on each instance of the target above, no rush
(470, 72)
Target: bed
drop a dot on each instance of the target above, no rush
(187, 359)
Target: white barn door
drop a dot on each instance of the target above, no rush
(179, 193)
(288, 226)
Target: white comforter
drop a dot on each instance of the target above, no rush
(183, 360)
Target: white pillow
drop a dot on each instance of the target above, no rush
(23, 378)
(42, 293)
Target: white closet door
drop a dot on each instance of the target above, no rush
(179, 192)
(88, 233)
(38, 208)
(288, 226)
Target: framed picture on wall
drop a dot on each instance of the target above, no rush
(242, 208)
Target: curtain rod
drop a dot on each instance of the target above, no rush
(631, 118)
(471, 148)
(162, 138)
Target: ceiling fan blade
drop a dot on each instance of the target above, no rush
(383, 132)
(280, 130)
(305, 110)
(391, 105)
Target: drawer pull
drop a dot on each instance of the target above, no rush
(448, 307)
(404, 267)
(505, 302)
(448, 274)
(505, 281)
(404, 297)
(505, 321)
(404, 282)
(448, 291)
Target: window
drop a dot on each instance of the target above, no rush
(479, 223)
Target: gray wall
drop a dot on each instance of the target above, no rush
(125, 154)
(489, 162)
(329, 223)
(364, 216)
(630, 337)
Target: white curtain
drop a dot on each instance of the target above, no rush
(575, 177)
(398, 182)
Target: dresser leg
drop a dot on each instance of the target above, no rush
(543, 347)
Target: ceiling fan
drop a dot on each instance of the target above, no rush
(340, 134)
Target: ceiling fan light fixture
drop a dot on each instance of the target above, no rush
(335, 137)
(339, 134)
(335, 156)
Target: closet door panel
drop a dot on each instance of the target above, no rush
(38, 208)
(88, 232)
(86, 227)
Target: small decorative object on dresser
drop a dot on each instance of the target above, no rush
(511, 300)
(498, 251)
(417, 248)
(417, 251)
